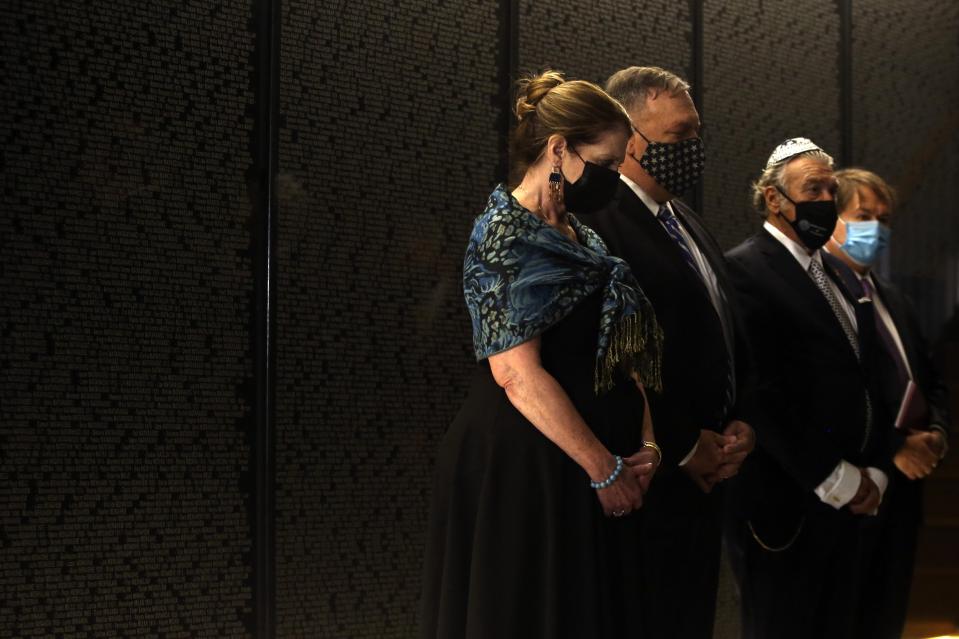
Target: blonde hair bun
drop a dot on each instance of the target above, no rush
(548, 104)
(531, 89)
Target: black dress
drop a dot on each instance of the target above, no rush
(518, 545)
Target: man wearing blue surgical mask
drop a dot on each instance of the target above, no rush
(863, 230)
(865, 204)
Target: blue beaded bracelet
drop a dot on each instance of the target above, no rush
(612, 476)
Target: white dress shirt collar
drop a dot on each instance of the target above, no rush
(883, 313)
(643, 196)
(795, 248)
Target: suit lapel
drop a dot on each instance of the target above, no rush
(663, 244)
(848, 280)
(889, 299)
(703, 240)
(713, 256)
(812, 301)
(707, 246)
(899, 317)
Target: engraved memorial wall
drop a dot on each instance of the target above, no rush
(124, 430)
(388, 150)
(137, 446)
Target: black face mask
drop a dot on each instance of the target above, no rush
(593, 190)
(814, 221)
(676, 166)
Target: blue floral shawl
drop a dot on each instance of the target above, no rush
(522, 276)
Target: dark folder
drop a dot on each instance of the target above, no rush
(913, 409)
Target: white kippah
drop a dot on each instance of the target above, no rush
(789, 148)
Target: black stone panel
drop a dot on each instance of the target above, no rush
(771, 72)
(125, 308)
(592, 41)
(388, 150)
(906, 128)
(124, 341)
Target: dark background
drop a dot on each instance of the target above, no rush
(232, 328)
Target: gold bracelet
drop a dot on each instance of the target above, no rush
(659, 451)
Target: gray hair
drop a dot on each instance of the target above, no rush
(773, 176)
(633, 85)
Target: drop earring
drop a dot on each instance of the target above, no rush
(556, 185)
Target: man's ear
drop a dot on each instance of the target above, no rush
(631, 144)
(773, 199)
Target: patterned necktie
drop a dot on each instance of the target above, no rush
(671, 224)
(902, 372)
(822, 283)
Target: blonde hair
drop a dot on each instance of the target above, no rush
(633, 85)
(548, 104)
(849, 181)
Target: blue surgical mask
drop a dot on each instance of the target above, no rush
(864, 241)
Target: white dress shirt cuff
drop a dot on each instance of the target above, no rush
(690, 454)
(881, 481)
(841, 486)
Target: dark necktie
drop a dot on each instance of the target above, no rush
(671, 224)
(668, 219)
(885, 337)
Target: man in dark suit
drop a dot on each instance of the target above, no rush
(865, 203)
(823, 459)
(700, 418)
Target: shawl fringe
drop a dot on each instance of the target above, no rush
(636, 345)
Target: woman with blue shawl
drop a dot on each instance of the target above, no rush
(530, 532)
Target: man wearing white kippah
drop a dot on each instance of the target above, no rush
(823, 459)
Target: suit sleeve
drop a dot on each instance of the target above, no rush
(890, 445)
(674, 433)
(804, 451)
(747, 407)
(935, 390)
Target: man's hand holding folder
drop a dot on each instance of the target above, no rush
(923, 448)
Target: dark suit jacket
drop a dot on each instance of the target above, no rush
(695, 358)
(681, 529)
(925, 375)
(924, 371)
(812, 392)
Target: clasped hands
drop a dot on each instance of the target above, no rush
(719, 456)
(867, 498)
(626, 493)
(920, 453)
